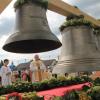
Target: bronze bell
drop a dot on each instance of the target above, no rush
(79, 52)
(32, 33)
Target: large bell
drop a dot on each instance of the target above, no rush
(79, 52)
(32, 33)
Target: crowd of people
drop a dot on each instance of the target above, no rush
(36, 72)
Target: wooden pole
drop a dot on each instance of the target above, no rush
(59, 7)
(66, 9)
(4, 4)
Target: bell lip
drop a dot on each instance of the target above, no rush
(73, 69)
(25, 46)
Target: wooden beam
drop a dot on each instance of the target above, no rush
(3, 4)
(59, 7)
(66, 9)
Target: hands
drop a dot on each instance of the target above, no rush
(8, 73)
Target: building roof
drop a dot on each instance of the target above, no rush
(47, 63)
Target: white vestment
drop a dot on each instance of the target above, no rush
(34, 69)
(6, 76)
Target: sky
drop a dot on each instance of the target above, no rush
(7, 22)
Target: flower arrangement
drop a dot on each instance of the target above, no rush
(22, 86)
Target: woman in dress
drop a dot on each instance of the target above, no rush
(6, 73)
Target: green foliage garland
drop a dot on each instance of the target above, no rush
(21, 86)
(73, 95)
(42, 3)
(75, 22)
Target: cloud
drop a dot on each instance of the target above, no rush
(7, 20)
(55, 20)
(6, 26)
(71, 2)
(90, 7)
(87, 3)
(7, 23)
(92, 10)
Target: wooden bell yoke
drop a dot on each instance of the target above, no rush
(59, 7)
